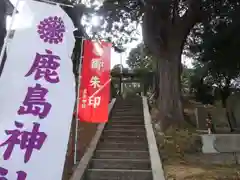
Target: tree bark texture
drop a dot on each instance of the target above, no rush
(168, 52)
(169, 100)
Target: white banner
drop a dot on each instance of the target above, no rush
(37, 95)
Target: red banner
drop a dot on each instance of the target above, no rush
(95, 82)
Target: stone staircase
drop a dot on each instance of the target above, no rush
(122, 151)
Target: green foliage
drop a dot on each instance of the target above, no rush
(186, 79)
(122, 17)
(176, 142)
(121, 20)
(215, 47)
(140, 58)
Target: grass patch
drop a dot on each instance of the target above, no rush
(180, 152)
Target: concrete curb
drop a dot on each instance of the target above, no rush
(220, 143)
(156, 164)
(83, 164)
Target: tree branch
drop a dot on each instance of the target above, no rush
(194, 13)
(175, 10)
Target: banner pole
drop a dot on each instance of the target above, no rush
(9, 31)
(77, 108)
(121, 74)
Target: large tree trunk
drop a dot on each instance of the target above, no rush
(164, 33)
(169, 100)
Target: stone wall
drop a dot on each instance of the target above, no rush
(218, 116)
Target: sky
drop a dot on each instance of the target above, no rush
(21, 22)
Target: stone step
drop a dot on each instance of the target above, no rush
(131, 107)
(122, 146)
(138, 104)
(128, 111)
(124, 133)
(126, 114)
(116, 154)
(122, 151)
(126, 122)
(120, 164)
(129, 118)
(127, 108)
(128, 130)
(125, 138)
(116, 174)
(125, 127)
(129, 101)
(134, 105)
